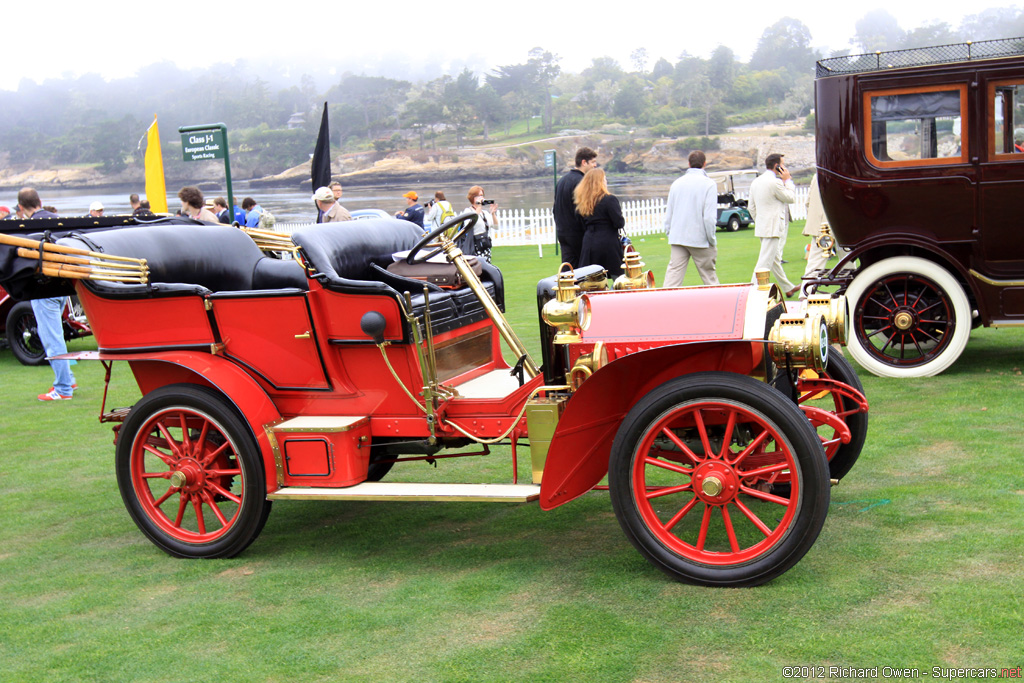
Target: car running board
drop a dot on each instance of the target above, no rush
(377, 490)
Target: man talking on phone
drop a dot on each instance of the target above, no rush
(771, 193)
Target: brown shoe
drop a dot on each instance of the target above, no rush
(790, 293)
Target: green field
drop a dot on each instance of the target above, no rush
(920, 563)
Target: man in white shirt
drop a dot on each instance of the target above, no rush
(771, 193)
(690, 218)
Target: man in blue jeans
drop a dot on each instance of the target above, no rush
(48, 312)
(50, 328)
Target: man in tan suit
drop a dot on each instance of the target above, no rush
(816, 258)
(771, 193)
(330, 210)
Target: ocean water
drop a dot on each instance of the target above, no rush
(293, 206)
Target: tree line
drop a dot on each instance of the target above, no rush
(87, 120)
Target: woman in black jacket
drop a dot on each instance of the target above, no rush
(602, 216)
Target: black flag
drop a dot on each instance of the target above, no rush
(321, 171)
(322, 155)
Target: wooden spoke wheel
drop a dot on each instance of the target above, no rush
(911, 318)
(190, 473)
(688, 474)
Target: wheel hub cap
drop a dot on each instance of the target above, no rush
(903, 320)
(188, 476)
(711, 486)
(715, 483)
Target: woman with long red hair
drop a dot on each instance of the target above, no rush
(602, 216)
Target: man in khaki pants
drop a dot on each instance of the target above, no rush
(690, 217)
(771, 193)
(816, 258)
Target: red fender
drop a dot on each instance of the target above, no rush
(155, 370)
(578, 457)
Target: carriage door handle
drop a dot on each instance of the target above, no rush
(304, 335)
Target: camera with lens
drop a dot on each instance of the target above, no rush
(486, 202)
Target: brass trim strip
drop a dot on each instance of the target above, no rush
(996, 283)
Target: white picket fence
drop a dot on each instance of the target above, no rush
(517, 227)
(643, 217)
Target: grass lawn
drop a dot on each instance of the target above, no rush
(920, 563)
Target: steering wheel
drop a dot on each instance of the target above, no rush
(468, 220)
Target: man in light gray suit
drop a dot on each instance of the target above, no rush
(690, 217)
(771, 193)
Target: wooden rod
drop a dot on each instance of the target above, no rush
(15, 241)
(60, 258)
(71, 273)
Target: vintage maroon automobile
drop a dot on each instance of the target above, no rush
(717, 415)
(920, 157)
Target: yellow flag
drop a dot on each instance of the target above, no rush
(156, 191)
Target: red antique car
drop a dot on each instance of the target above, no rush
(715, 414)
(920, 158)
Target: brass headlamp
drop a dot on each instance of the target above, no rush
(567, 312)
(836, 313)
(587, 364)
(800, 341)
(634, 277)
(595, 282)
(825, 241)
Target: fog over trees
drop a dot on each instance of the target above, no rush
(386, 106)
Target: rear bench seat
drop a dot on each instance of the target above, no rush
(352, 256)
(191, 259)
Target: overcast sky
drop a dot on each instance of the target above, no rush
(74, 38)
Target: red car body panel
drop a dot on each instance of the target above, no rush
(578, 456)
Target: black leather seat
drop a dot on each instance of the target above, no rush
(352, 257)
(191, 258)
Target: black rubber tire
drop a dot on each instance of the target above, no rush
(22, 336)
(774, 411)
(378, 470)
(734, 223)
(206, 404)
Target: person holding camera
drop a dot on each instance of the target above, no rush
(771, 193)
(439, 210)
(479, 241)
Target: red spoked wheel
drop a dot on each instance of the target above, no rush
(190, 473)
(839, 393)
(688, 474)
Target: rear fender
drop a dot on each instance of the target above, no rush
(233, 383)
(901, 243)
(578, 457)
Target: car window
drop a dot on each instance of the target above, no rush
(1006, 124)
(916, 126)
